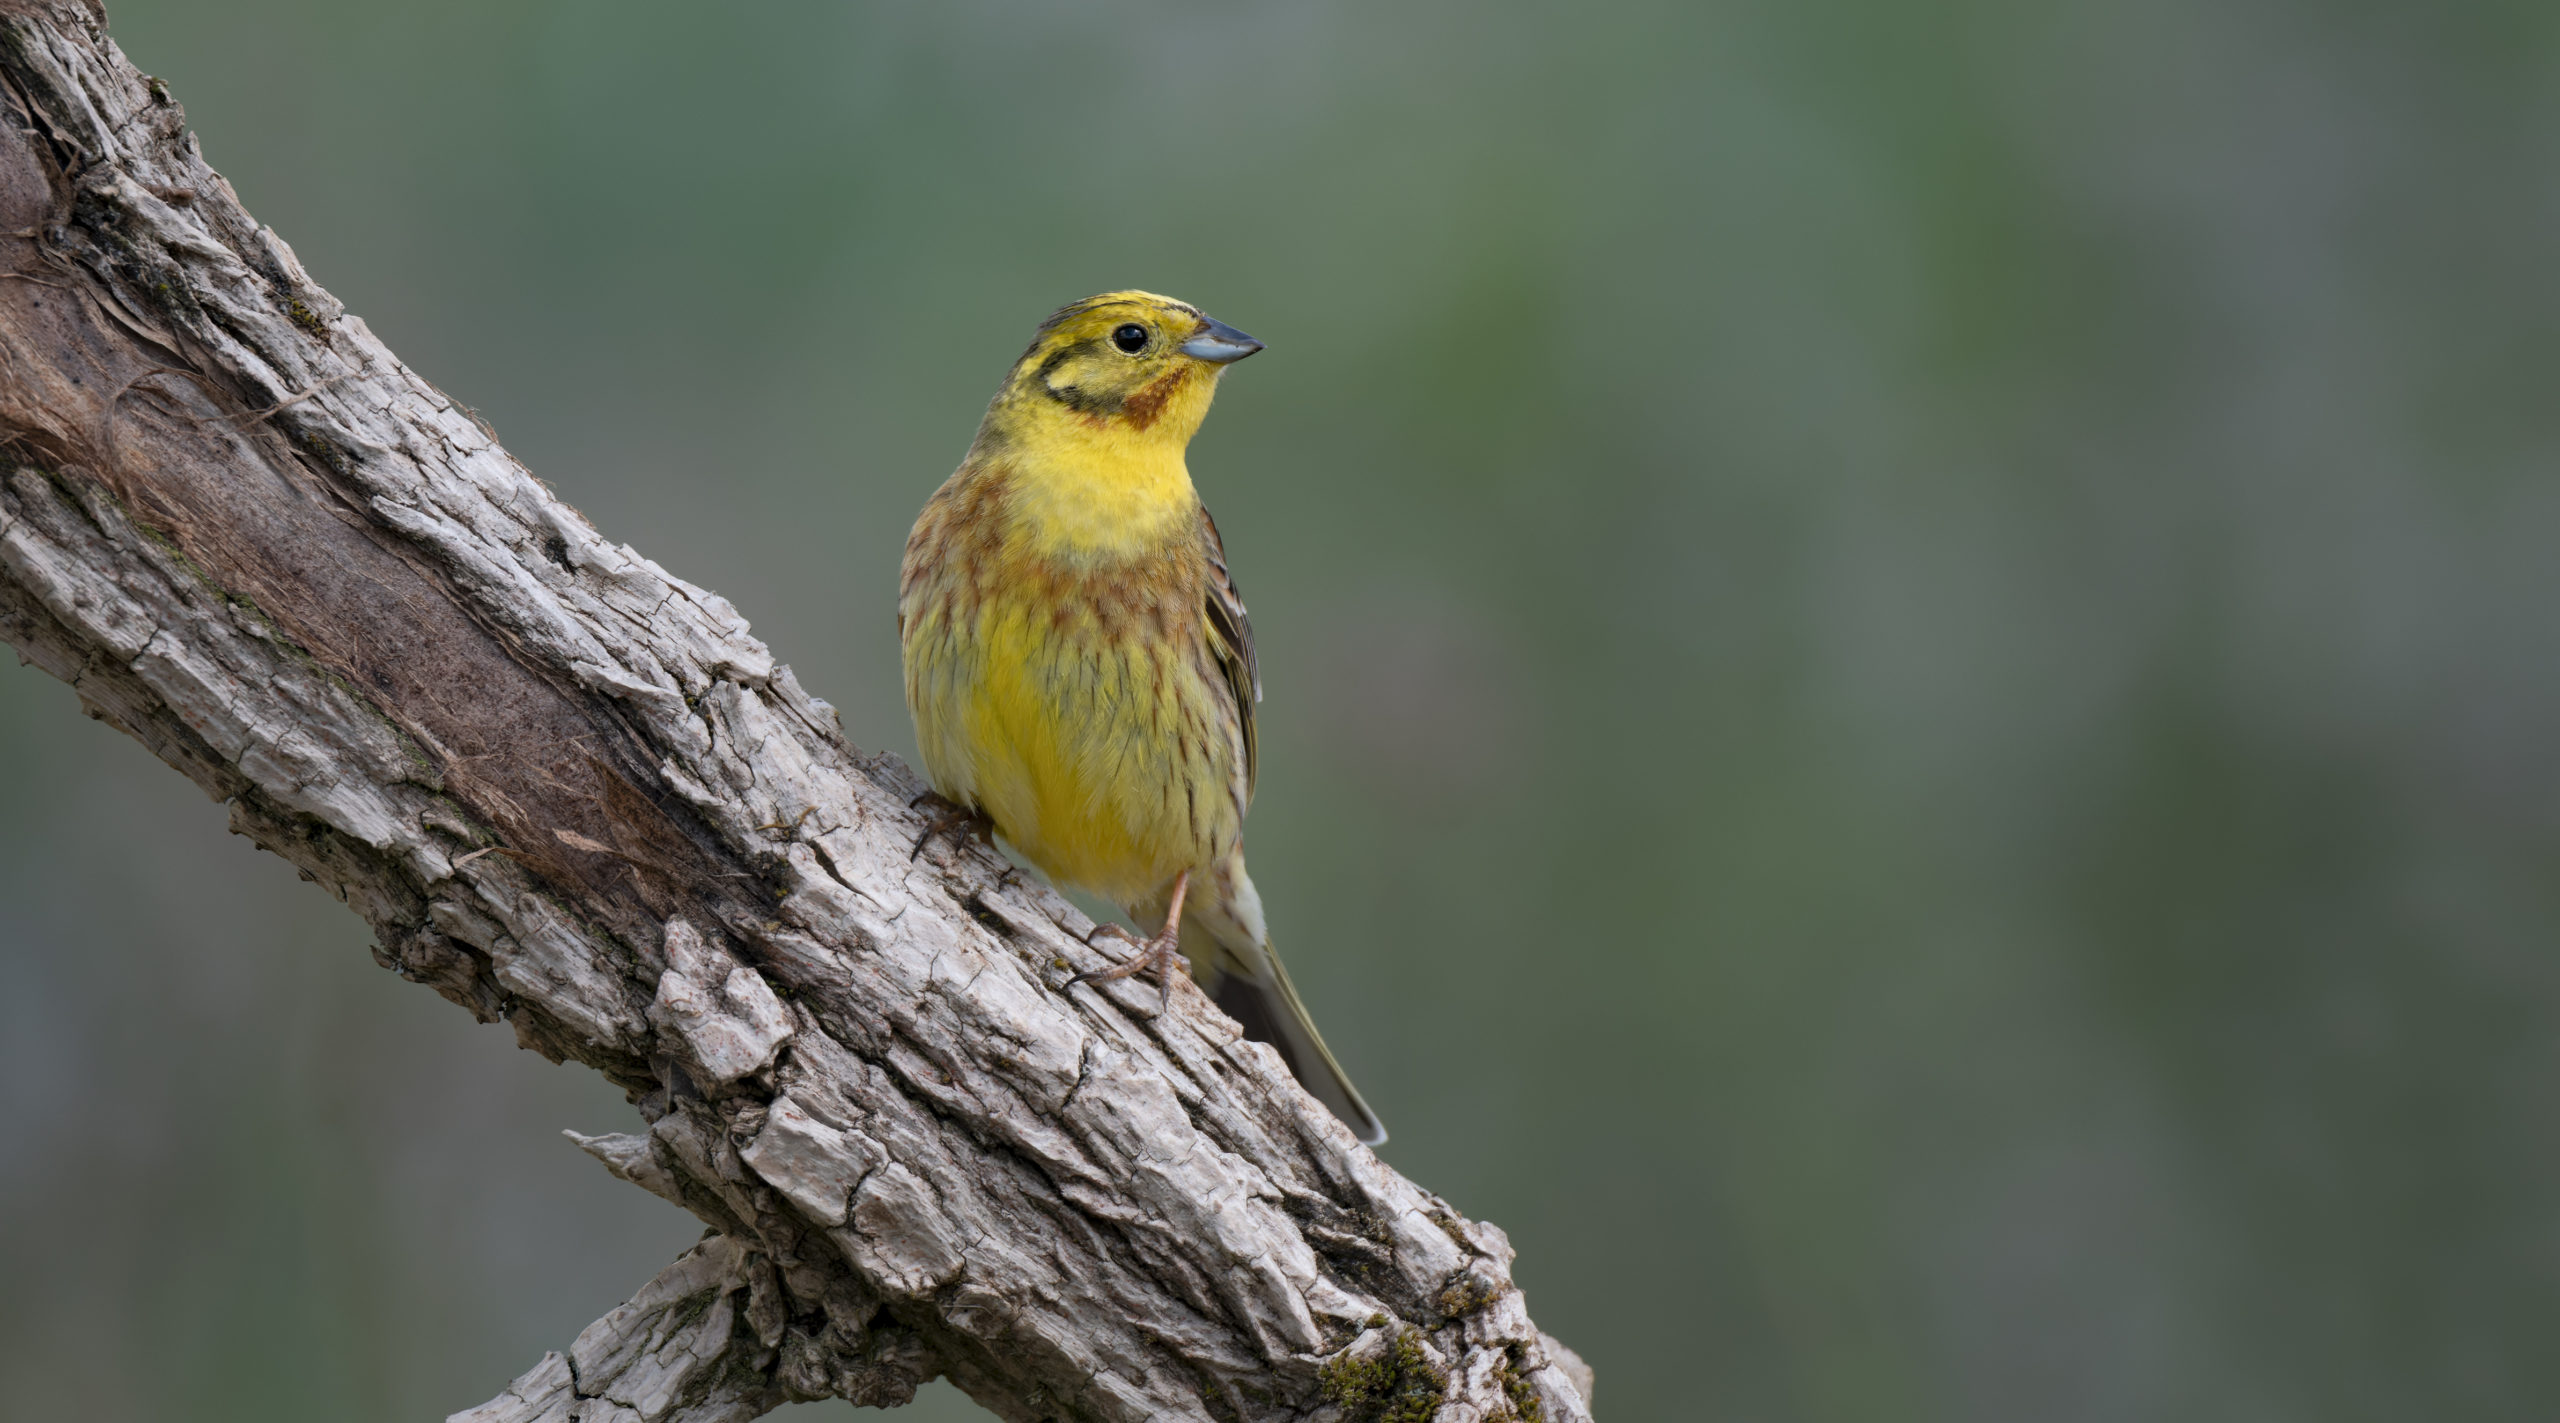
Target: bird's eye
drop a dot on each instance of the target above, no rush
(1130, 337)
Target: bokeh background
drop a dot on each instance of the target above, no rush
(1914, 656)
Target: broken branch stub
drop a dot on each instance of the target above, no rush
(571, 791)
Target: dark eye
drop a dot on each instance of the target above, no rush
(1131, 338)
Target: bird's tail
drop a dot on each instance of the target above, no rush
(1232, 957)
(1267, 1006)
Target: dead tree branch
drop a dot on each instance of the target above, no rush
(570, 791)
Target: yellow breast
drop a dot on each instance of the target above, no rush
(1059, 674)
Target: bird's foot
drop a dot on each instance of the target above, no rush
(943, 816)
(1163, 953)
(1159, 953)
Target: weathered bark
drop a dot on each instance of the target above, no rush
(569, 790)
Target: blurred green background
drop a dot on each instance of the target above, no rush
(1914, 656)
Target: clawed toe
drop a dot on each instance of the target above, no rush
(1161, 953)
(947, 816)
(1126, 967)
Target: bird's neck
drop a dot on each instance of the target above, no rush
(1087, 491)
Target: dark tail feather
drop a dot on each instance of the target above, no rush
(1266, 1005)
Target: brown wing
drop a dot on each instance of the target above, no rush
(1233, 646)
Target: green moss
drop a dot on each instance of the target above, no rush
(1399, 1386)
(304, 317)
(166, 545)
(1465, 1295)
(1515, 1385)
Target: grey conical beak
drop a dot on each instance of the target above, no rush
(1219, 343)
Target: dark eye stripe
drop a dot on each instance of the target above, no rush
(1061, 356)
(1076, 399)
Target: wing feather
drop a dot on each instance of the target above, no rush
(1233, 645)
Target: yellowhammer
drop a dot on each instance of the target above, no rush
(1079, 665)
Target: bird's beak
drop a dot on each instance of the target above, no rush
(1218, 343)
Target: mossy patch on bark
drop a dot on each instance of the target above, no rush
(1400, 1385)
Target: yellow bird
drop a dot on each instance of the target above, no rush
(1079, 666)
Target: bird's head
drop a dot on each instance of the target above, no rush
(1128, 367)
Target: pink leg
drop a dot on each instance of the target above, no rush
(1160, 953)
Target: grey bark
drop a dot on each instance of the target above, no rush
(571, 791)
